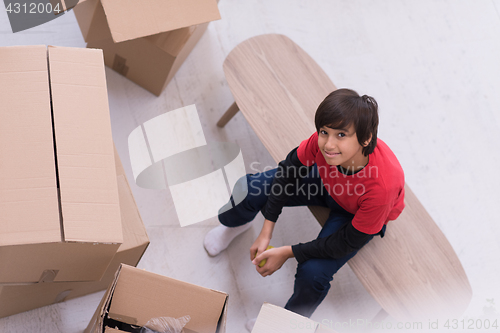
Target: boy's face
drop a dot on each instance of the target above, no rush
(341, 147)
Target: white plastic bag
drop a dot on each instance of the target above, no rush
(165, 325)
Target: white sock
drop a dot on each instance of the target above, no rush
(218, 239)
(250, 323)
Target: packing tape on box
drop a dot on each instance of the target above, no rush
(170, 150)
(48, 275)
(61, 297)
(119, 65)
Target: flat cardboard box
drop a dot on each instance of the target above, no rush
(136, 296)
(58, 191)
(275, 319)
(20, 298)
(145, 41)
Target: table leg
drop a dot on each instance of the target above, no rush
(233, 109)
(381, 315)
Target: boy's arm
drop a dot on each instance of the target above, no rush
(370, 218)
(288, 171)
(339, 244)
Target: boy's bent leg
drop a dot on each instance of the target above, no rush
(309, 191)
(258, 188)
(312, 283)
(235, 218)
(241, 209)
(313, 277)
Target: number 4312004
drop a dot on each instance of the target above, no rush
(471, 324)
(32, 8)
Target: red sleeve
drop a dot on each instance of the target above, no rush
(308, 149)
(398, 206)
(371, 216)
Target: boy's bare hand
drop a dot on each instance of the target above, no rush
(276, 257)
(260, 245)
(263, 240)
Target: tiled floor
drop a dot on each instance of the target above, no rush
(434, 68)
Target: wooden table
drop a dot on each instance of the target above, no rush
(413, 272)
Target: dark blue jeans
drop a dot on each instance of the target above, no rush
(313, 277)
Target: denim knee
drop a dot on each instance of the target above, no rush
(248, 197)
(259, 186)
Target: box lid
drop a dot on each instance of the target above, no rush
(130, 19)
(139, 296)
(59, 205)
(85, 157)
(275, 319)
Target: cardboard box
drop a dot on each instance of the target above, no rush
(145, 41)
(59, 208)
(275, 319)
(20, 298)
(136, 296)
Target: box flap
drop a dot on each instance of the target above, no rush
(275, 319)
(134, 232)
(130, 19)
(96, 323)
(140, 296)
(173, 41)
(84, 145)
(324, 329)
(92, 20)
(25, 137)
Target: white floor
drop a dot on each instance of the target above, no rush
(434, 68)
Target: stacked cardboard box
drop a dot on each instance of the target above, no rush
(275, 319)
(19, 298)
(58, 192)
(60, 199)
(146, 41)
(137, 296)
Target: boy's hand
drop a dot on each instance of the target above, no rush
(276, 257)
(263, 240)
(259, 246)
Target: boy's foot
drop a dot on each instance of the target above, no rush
(250, 323)
(218, 239)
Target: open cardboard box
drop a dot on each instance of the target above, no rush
(19, 298)
(275, 319)
(59, 203)
(146, 41)
(136, 296)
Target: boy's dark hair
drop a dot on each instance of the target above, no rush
(344, 107)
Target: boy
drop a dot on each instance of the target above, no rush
(342, 166)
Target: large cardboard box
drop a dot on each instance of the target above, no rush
(19, 298)
(59, 208)
(275, 319)
(136, 296)
(145, 41)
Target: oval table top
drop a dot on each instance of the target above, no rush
(413, 272)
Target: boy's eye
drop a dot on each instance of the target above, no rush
(323, 132)
(341, 135)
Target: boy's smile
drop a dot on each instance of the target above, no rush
(341, 147)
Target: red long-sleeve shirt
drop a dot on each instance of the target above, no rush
(375, 195)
